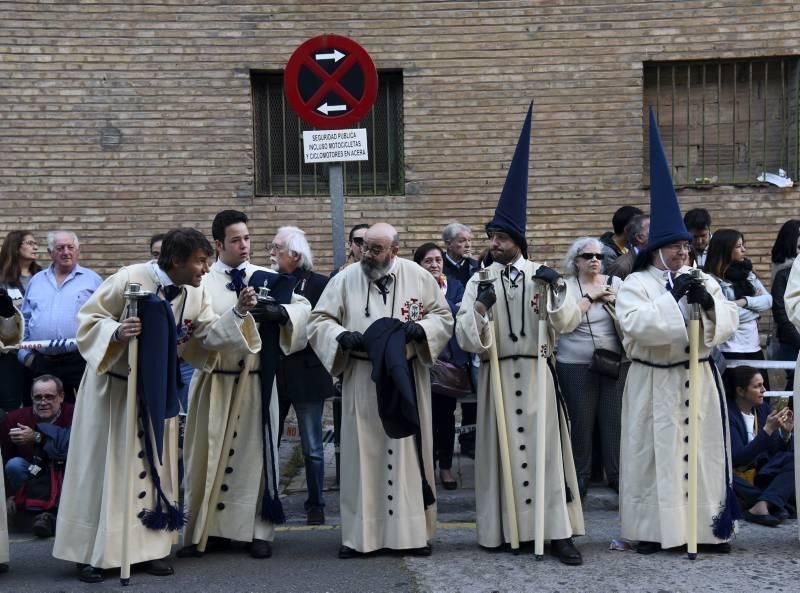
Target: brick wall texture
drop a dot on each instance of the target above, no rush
(174, 77)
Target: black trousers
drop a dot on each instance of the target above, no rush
(67, 367)
(15, 387)
(444, 429)
(776, 490)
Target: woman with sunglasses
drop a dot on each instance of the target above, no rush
(355, 246)
(591, 397)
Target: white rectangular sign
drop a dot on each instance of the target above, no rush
(330, 146)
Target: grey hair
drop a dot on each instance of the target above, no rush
(634, 227)
(51, 238)
(297, 243)
(578, 245)
(451, 230)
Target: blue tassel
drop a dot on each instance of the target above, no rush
(173, 519)
(722, 525)
(154, 519)
(272, 509)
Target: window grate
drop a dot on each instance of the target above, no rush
(278, 141)
(726, 121)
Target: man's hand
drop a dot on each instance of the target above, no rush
(128, 329)
(6, 304)
(270, 313)
(486, 297)
(351, 341)
(21, 435)
(681, 285)
(697, 294)
(548, 275)
(247, 300)
(414, 331)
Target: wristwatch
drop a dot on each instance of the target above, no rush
(37, 438)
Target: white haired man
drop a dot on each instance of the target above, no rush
(303, 383)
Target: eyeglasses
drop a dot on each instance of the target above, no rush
(45, 397)
(374, 249)
(677, 247)
(358, 241)
(591, 256)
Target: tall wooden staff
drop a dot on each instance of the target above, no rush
(694, 429)
(134, 294)
(541, 422)
(262, 294)
(486, 276)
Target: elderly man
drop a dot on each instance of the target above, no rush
(11, 330)
(515, 308)
(51, 306)
(250, 466)
(176, 319)
(303, 383)
(32, 438)
(386, 500)
(636, 233)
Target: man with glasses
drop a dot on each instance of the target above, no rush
(384, 499)
(32, 438)
(50, 308)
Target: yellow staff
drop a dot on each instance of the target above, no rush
(694, 429)
(541, 422)
(487, 277)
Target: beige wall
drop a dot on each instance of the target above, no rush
(174, 78)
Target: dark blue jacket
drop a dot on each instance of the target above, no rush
(767, 453)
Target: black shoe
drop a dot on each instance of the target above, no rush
(160, 568)
(189, 552)
(3, 567)
(448, 484)
(566, 552)
(260, 548)
(781, 515)
(315, 516)
(723, 548)
(648, 548)
(346, 553)
(90, 574)
(44, 525)
(424, 551)
(766, 520)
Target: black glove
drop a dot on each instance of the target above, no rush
(414, 331)
(698, 294)
(270, 312)
(486, 295)
(546, 274)
(681, 285)
(351, 341)
(6, 304)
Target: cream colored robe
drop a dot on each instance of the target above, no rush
(381, 489)
(211, 396)
(518, 374)
(90, 516)
(653, 463)
(792, 301)
(11, 331)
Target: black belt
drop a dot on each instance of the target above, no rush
(362, 357)
(513, 357)
(116, 375)
(237, 373)
(683, 363)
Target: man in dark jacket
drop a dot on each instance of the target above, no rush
(303, 383)
(33, 439)
(614, 241)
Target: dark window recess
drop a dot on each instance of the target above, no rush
(725, 121)
(278, 142)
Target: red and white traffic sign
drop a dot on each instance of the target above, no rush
(331, 82)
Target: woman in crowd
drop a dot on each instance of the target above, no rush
(786, 338)
(761, 449)
(591, 397)
(17, 266)
(430, 257)
(727, 263)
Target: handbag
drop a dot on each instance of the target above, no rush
(605, 362)
(450, 380)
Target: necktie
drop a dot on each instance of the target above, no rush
(383, 286)
(237, 280)
(171, 291)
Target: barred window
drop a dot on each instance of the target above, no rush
(278, 140)
(726, 121)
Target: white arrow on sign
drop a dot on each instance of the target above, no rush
(326, 109)
(335, 56)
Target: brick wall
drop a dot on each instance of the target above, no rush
(173, 78)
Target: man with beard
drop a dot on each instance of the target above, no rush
(251, 472)
(515, 308)
(383, 480)
(91, 514)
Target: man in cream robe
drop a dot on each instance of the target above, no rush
(792, 301)
(518, 304)
(90, 517)
(237, 514)
(381, 486)
(11, 331)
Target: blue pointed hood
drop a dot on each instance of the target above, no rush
(511, 214)
(666, 222)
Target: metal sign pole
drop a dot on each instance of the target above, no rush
(337, 213)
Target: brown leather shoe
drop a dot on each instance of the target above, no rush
(566, 552)
(44, 525)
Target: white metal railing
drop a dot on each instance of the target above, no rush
(765, 364)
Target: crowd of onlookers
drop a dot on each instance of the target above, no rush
(39, 383)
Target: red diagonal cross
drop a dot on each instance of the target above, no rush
(330, 82)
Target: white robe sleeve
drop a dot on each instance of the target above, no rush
(472, 329)
(437, 322)
(294, 333)
(721, 322)
(98, 319)
(649, 323)
(567, 317)
(791, 297)
(325, 325)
